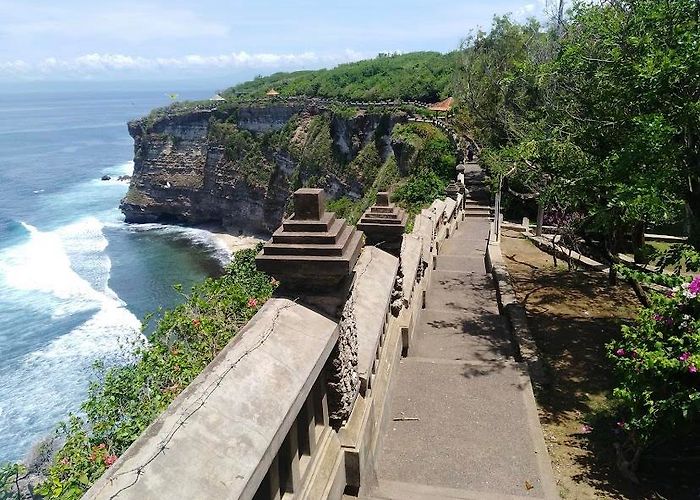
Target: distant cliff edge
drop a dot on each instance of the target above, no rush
(236, 165)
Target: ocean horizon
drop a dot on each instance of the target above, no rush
(75, 280)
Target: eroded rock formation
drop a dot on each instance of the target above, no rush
(237, 166)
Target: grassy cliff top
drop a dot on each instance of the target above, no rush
(416, 76)
(424, 76)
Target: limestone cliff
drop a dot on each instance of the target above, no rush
(237, 166)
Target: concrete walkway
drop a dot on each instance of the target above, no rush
(463, 421)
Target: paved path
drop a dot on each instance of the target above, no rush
(477, 435)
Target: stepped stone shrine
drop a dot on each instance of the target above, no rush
(453, 190)
(311, 249)
(384, 223)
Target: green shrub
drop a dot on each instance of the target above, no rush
(433, 150)
(341, 207)
(10, 475)
(420, 189)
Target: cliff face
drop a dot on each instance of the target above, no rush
(239, 167)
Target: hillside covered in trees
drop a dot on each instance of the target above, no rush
(422, 76)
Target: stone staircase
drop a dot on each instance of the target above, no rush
(462, 422)
(477, 203)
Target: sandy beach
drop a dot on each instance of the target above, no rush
(233, 241)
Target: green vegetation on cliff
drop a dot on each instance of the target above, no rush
(423, 76)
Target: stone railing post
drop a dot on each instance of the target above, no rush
(313, 254)
(384, 224)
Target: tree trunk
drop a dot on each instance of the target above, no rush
(540, 220)
(638, 242)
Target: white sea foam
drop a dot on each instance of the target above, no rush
(67, 271)
(196, 235)
(77, 282)
(42, 265)
(115, 172)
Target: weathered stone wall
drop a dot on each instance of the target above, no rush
(343, 382)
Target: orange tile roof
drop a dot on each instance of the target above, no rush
(445, 105)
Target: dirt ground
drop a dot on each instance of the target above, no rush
(572, 316)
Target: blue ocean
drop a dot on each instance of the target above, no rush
(75, 280)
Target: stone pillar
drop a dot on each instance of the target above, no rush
(384, 224)
(452, 190)
(313, 254)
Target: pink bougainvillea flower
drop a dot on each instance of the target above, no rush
(102, 446)
(586, 429)
(252, 302)
(620, 352)
(694, 286)
(684, 357)
(65, 461)
(692, 368)
(110, 459)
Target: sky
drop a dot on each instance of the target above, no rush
(158, 40)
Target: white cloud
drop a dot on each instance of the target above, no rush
(96, 64)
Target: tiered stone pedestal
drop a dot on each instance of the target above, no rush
(384, 223)
(453, 189)
(312, 250)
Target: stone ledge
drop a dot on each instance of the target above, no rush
(508, 305)
(410, 263)
(253, 390)
(375, 275)
(545, 244)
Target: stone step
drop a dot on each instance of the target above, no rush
(471, 215)
(315, 226)
(329, 249)
(399, 490)
(310, 237)
(459, 263)
(460, 291)
(328, 264)
(476, 429)
(476, 335)
(478, 209)
(465, 245)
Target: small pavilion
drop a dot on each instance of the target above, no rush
(272, 93)
(443, 106)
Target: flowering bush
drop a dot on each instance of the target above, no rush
(657, 361)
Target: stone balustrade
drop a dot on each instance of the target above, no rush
(257, 422)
